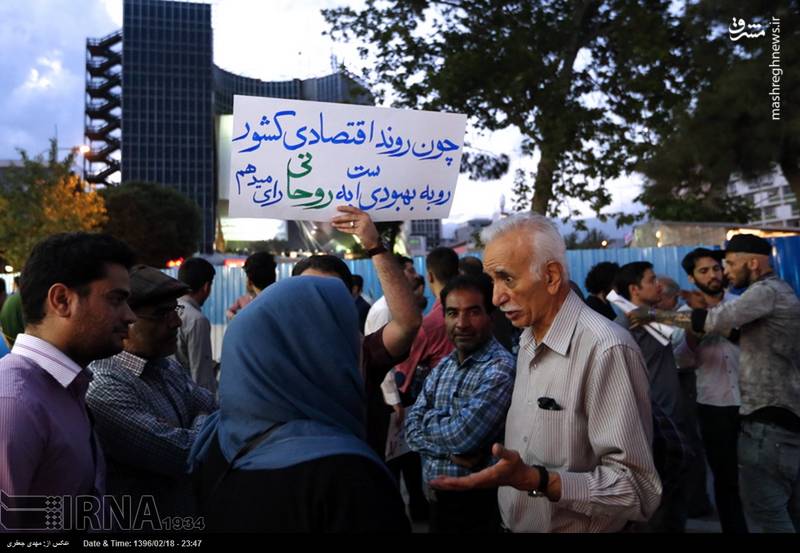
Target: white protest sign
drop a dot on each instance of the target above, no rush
(298, 160)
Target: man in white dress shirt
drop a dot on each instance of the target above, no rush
(577, 454)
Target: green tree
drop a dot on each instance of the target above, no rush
(726, 126)
(593, 239)
(43, 196)
(590, 84)
(159, 223)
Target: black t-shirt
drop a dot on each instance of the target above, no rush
(340, 493)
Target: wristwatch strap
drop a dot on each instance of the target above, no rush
(544, 480)
(380, 248)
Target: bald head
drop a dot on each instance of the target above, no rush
(742, 269)
(669, 293)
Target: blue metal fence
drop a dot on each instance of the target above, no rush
(229, 283)
(786, 260)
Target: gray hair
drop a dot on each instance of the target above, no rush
(669, 287)
(546, 241)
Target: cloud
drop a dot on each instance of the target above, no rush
(276, 40)
(42, 71)
(42, 75)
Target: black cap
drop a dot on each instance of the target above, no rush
(748, 243)
(149, 285)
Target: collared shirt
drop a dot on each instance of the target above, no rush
(716, 360)
(47, 446)
(662, 372)
(428, 348)
(147, 412)
(461, 410)
(147, 415)
(767, 315)
(194, 345)
(48, 357)
(599, 441)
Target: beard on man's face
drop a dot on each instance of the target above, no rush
(713, 288)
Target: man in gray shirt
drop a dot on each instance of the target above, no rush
(768, 317)
(638, 283)
(194, 335)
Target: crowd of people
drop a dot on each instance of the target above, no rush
(513, 405)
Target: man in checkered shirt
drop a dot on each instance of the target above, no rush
(462, 408)
(146, 407)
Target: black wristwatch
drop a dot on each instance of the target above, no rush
(380, 248)
(544, 480)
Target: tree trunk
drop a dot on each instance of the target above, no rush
(543, 186)
(792, 173)
(555, 136)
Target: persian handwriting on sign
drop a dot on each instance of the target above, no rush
(389, 145)
(298, 160)
(299, 193)
(263, 195)
(738, 29)
(380, 198)
(383, 197)
(359, 171)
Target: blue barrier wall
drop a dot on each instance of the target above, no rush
(229, 283)
(786, 260)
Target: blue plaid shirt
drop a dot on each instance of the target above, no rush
(461, 410)
(147, 413)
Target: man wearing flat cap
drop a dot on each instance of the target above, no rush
(146, 407)
(767, 315)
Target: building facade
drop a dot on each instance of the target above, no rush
(468, 231)
(152, 94)
(772, 197)
(431, 229)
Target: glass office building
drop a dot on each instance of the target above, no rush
(153, 92)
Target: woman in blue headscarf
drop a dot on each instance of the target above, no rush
(286, 451)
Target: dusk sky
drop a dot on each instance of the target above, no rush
(42, 75)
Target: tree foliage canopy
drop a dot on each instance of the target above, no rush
(159, 223)
(43, 196)
(726, 126)
(593, 239)
(590, 84)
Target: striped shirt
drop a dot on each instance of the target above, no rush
(47, 446)
(599, 441)
(461, 409)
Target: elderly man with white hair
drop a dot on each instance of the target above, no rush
(577, 454)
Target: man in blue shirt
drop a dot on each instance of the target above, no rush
(146, 407)
(462, 408)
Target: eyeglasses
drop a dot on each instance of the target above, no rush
(163, 314)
